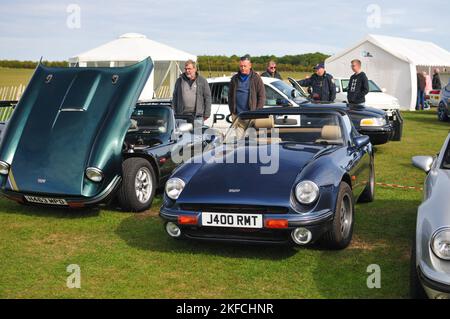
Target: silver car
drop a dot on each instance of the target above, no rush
(430, 258)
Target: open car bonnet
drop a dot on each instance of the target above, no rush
(67, 120)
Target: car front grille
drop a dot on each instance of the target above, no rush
(274, 236)
(235, 209)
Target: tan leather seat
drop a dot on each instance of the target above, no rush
(330, 134)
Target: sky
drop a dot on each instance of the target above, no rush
(57, 30)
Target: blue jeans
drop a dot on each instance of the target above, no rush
(420, 100)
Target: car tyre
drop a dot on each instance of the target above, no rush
(415, 287)
(442, 113)
(368, 195)
(341, 232)
(138, 185)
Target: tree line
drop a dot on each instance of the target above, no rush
(16, 64)
(298, 62)
(294, 63)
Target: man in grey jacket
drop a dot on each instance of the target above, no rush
(192, 95)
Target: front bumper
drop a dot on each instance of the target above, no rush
(72, 202)
(434, 289)
(317, 223)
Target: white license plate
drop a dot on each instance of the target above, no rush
(46, 200)
(232, 220)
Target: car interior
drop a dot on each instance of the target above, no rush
(311, 130)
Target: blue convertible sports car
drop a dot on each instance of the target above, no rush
(280, 175)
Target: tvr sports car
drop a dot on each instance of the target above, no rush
(280, 175)
(430, 257)
(78, 138)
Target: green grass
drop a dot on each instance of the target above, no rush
(124, 255)
(15, 77)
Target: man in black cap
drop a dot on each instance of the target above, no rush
(320, 84)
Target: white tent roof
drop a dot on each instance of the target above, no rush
(133, 47)
(419, 53)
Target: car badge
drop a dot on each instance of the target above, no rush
(41, 180)
(234, 190)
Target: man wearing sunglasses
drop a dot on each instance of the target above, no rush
(271, 71)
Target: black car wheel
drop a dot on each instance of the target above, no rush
(138, 185)
(442, 113)
(368, 195)
(341, 232)
(415, 287)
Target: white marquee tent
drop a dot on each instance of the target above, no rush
(131, 48)
(392, 63)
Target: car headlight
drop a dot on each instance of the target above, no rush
(174, 187)
(373, 121)
(4, 168)
(440, 243)
(94, 174)
(306, 192)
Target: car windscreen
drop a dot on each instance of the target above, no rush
(304, 128)
(373, 87)
(287, 89)
(152, 119)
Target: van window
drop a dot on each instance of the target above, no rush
(272, 96)
(219, 92)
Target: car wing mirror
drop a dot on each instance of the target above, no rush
(338, 90)
(361, 141)
(383, 90)
(423, 162)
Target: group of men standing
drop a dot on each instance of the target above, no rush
(192, 95)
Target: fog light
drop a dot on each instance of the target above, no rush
(94, 174)
(301, 236)
(4, 168)
(173, 230)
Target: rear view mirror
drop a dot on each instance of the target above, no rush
(285, 121)
(423, 162)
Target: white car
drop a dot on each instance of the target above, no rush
(278, 93)
(376, 97)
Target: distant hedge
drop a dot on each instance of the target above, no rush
(16, 64)
(299, 62)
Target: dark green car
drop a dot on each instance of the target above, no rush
(69, 142)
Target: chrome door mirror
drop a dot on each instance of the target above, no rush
(423, 162)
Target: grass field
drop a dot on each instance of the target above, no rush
(14, 77)
(124, 255)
